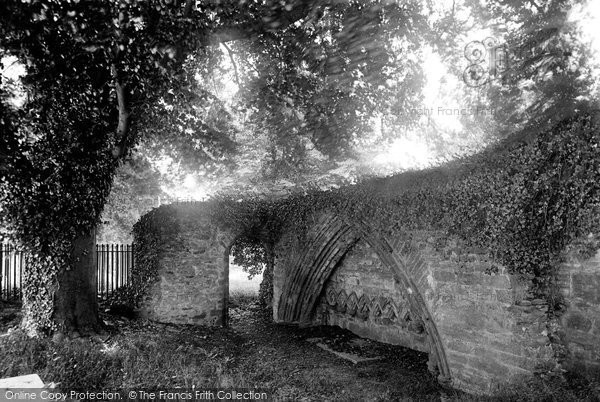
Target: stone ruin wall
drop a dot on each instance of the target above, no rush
(193, 283)
(363, 297)
(579, 280)
(489, 328)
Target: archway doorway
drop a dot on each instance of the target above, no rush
(247, 262)
(303, 289)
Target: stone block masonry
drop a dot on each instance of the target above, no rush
(193, 285)
(362, 295)
(423, 289)
(580, 324)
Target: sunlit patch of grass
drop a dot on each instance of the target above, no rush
(242, 291)
(533, 389)
(239, 282)
(145, 358)
(242, 298)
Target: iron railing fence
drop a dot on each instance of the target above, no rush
(12, 264)
(114, 264)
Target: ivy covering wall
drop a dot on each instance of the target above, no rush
(148, 232)
(523, 202)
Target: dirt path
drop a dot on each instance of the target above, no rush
(281, 358)
(254, 352)
(251, 353)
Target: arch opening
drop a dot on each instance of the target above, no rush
(363, 295)
(310, 290)
(246, 260)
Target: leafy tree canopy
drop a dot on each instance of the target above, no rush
(101, 76)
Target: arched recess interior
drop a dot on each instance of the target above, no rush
(310, 270)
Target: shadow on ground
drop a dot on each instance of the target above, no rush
(251, 353)
(289, 360)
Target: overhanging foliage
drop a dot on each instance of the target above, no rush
(524, 203)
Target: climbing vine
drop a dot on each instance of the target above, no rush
(149, 233)
(523, 202)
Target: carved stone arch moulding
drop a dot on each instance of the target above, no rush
(423, 322)
(311, 270)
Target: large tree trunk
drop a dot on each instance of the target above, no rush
(75, 303)
(62, 300)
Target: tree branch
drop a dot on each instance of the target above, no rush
(124, 116)
(235, 69)
(250, 64)
(271, 20)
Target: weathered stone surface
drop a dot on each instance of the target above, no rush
(458, 290)
(21, 382)
(580, 285)
(193, 284)
(422, 289)
(485, 336)
(576, 320)
(586, 286)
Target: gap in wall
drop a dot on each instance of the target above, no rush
(243, 287)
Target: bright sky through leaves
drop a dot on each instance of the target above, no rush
(440, 111)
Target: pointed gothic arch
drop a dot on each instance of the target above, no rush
(310, 270)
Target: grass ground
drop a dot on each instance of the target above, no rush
(242, 291)
(239, 282)
(252, 352)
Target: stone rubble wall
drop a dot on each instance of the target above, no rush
(363, 296)
(484, 324)
(193, 285)
(493, 330)
(579, 280)
(423, 289)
